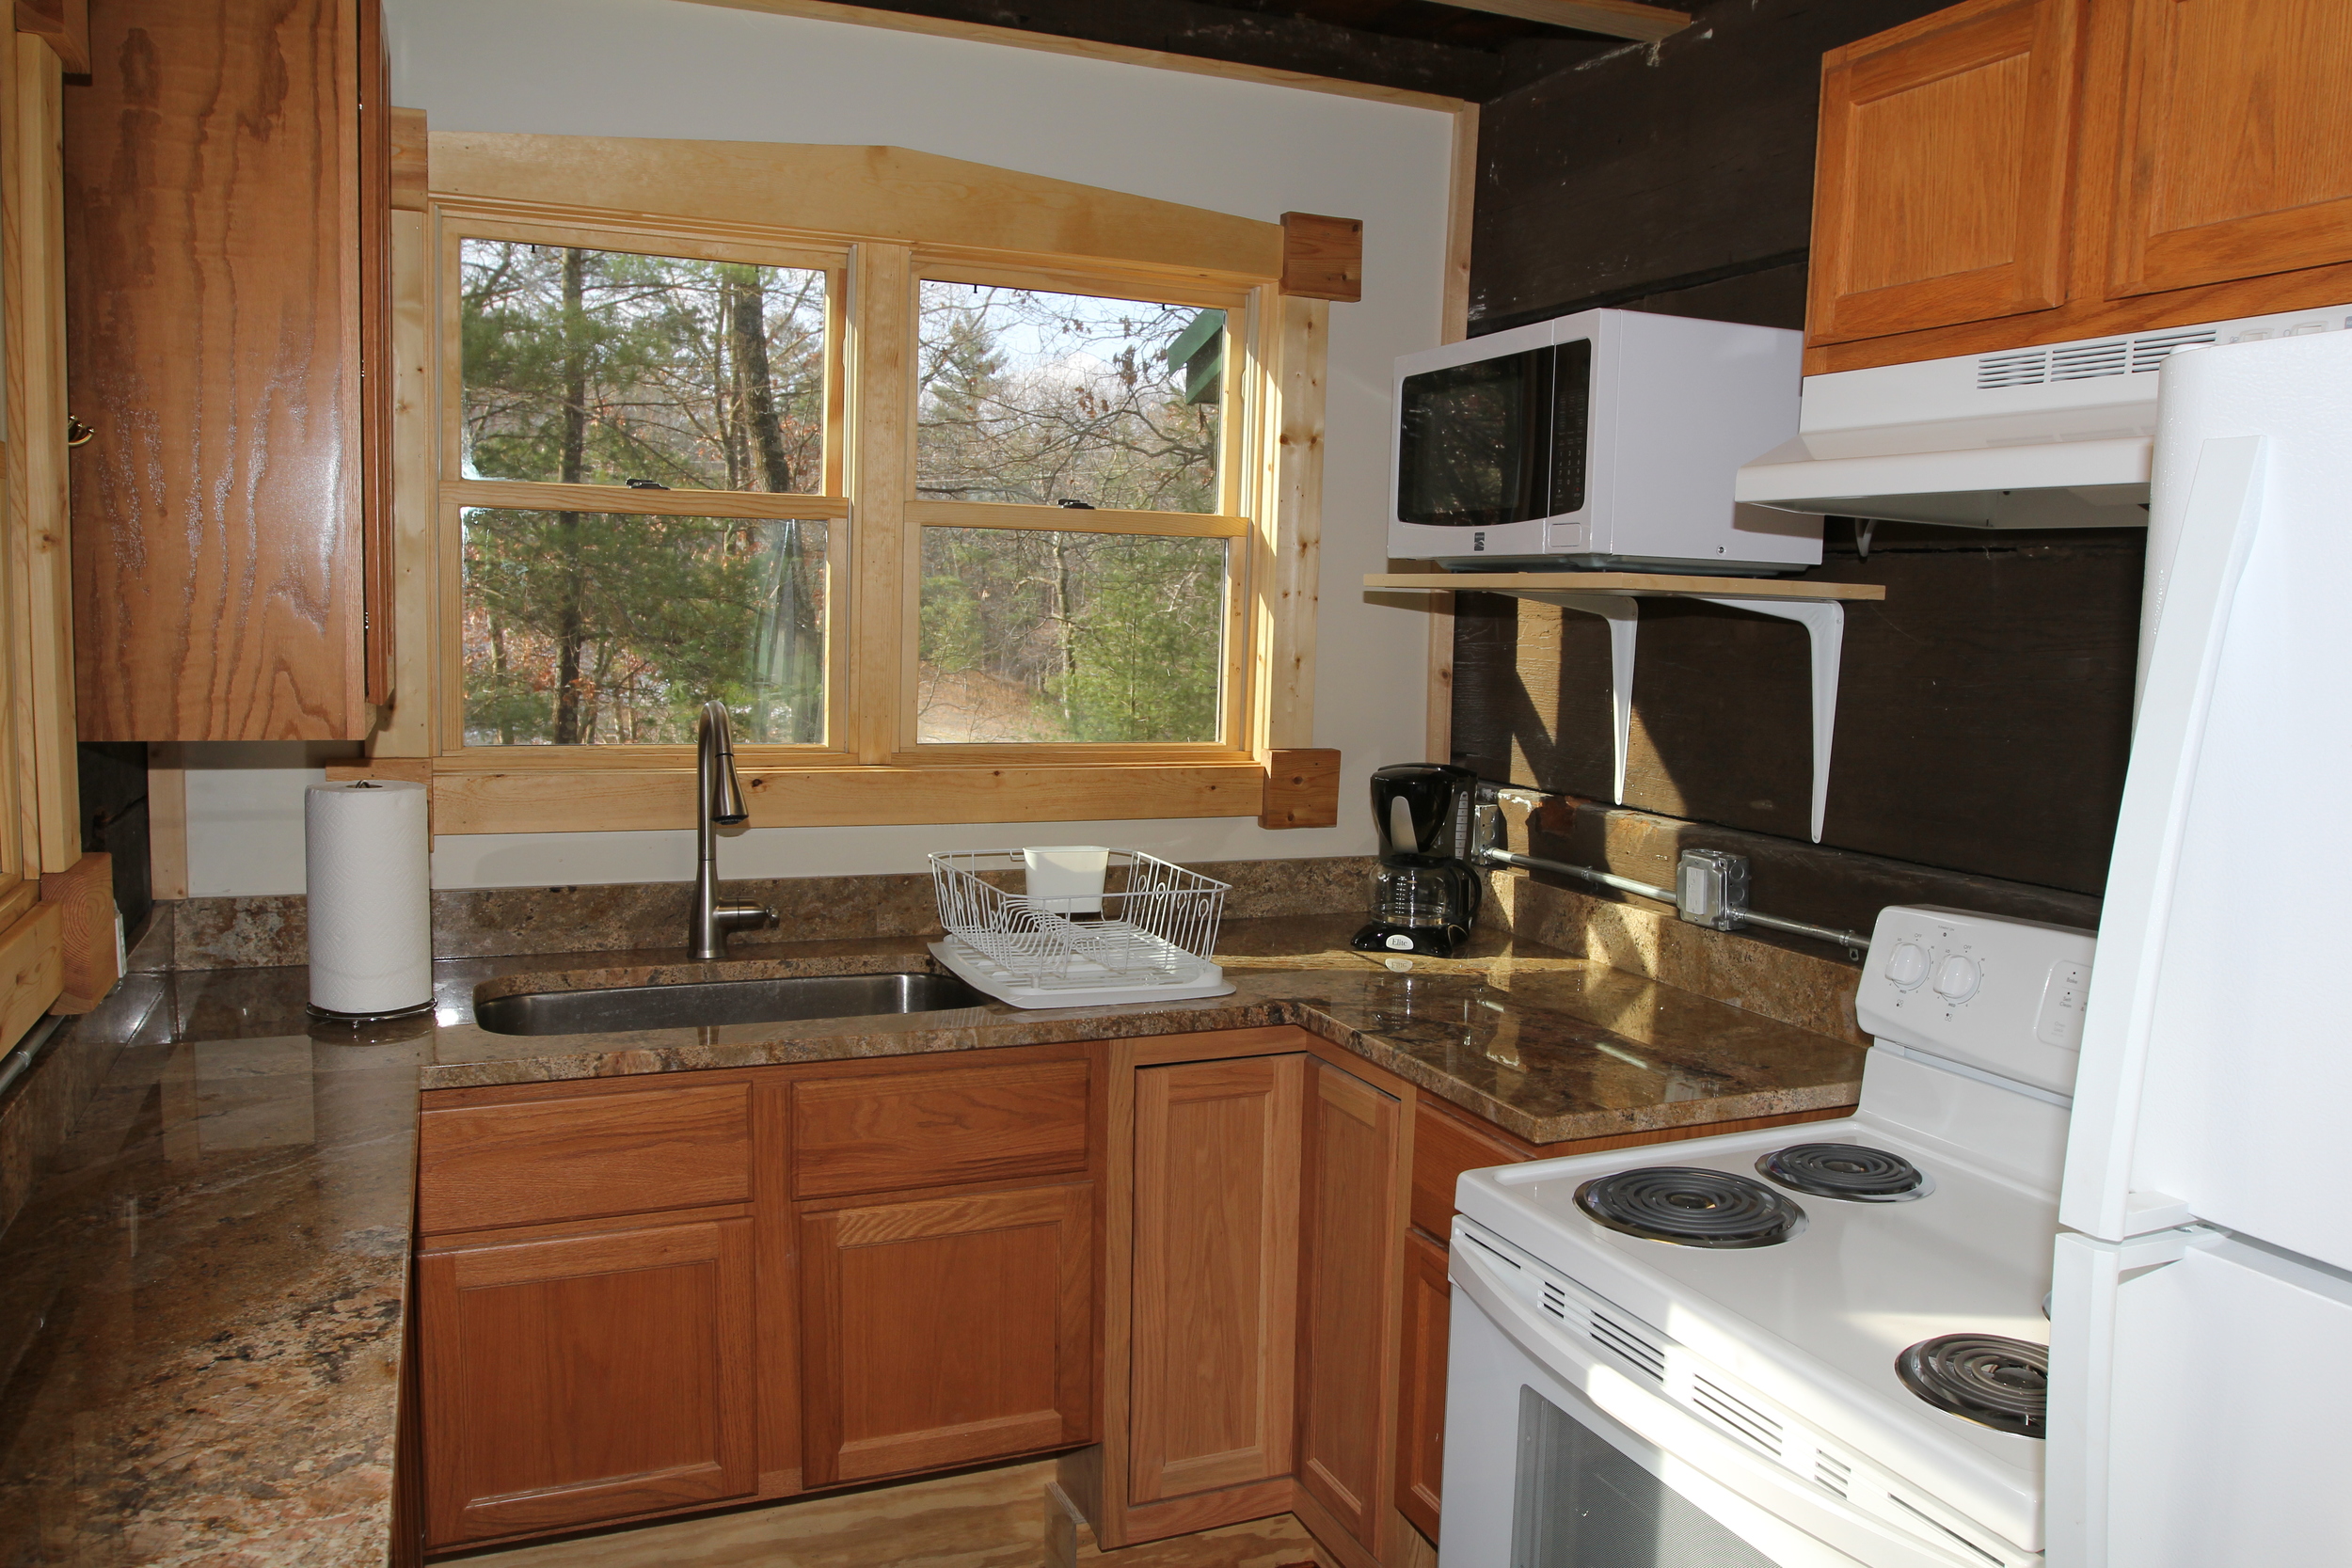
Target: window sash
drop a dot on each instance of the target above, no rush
(874, 561)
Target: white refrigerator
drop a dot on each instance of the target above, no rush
(2201, 1360)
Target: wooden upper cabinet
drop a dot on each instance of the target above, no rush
(1940, 195)
(218, 295)
(2236, 141)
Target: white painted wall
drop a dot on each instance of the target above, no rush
(671, 68)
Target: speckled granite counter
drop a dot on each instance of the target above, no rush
(202, 1306)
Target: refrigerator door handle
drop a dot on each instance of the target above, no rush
(2222, 514)
(2086, 1276)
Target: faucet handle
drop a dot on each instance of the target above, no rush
(744, 917)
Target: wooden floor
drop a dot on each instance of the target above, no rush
(991, 1520)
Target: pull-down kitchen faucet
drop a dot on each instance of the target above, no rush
(718, 799)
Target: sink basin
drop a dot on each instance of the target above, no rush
(714, 1001)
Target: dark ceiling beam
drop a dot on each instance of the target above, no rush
(1617, 18)
(1265, 40)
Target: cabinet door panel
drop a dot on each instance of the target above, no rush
(1353, 1231)
(1216, 1273)
(1421, 1400)
(1942, 184)
(585, 1378)
(213, 200)
(942, 1331)
(2236, 156)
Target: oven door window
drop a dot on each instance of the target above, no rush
(1473, 448)
(1579, 1503)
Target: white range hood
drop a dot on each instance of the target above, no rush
(2058, 435)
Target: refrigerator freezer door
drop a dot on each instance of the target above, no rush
(2212, 1065)
(2201, 1407)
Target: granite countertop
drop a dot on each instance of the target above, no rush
(201, 1307)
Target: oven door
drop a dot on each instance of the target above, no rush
(1556, 1458)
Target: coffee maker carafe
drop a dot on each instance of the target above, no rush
(1425, 891)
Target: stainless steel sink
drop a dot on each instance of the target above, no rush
(714, 1001)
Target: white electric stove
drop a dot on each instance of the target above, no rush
(1816, 1346)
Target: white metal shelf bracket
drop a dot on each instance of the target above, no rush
(1824, 622)
(1615, 597)
(1625, 621)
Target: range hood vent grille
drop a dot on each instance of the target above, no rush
(2148, 352)
(2084, 361)
(2027, 368)
(2032, 367)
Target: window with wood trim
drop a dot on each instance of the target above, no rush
(958, 531)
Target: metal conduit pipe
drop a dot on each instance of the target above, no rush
(12, 1066)
(1718, 913)
(1605, 878)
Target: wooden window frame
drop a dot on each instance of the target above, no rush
(829, 504)
(870, 769)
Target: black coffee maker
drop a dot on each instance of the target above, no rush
(1425, 891)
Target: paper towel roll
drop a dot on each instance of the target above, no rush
(370, 877)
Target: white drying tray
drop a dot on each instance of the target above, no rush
(968, 965)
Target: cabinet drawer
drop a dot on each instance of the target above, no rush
(482, 1165)
(885, 1132)
(1443, 1148)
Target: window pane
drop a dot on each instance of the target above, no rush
(592, 629)
(599, 367)
(1044, 398)
(1029, 635)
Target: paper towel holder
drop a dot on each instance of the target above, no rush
(384, 895)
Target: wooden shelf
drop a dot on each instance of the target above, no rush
(1819, 607)
(1625, 585)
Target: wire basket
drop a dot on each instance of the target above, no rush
(1153, 925)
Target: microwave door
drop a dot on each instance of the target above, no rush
(1475, 442)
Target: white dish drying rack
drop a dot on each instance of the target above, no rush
(1145, 937)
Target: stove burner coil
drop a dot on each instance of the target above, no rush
(1997, 1381)
(1849, 1171)
(1691, 1205)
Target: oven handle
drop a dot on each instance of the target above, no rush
(1560, 1355)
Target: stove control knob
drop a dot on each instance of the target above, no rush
(1957, 978)
(1907, 966)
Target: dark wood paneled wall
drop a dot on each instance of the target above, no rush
(1664, 169)
(1984, 707)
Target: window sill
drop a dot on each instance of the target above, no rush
(540, 801)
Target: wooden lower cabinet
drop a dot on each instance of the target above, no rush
(1216, 1155)
(947, 1330)
(1352, 1238)
(573, 1379)
(1420, 1395)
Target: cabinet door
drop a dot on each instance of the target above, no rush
(1352, 1230)
(945, 1331)
(1421, 1399)
(585, 1378)
(1942, 185)
(2236, 146)
(212, 202)
(1215, 1313)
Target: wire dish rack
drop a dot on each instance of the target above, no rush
(1145, 937)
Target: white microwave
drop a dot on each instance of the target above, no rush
(1609, 438)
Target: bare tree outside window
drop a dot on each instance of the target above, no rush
(607, 368)
(1044, 399)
